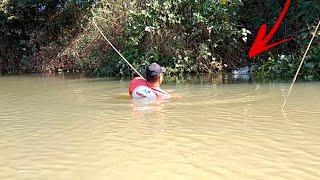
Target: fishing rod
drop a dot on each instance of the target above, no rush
(304, 56)
(97, 27)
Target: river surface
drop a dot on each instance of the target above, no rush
(61, 128)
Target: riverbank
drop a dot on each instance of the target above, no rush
(185, 36)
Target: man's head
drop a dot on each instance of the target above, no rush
(154, 73)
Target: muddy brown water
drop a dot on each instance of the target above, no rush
(54, 128)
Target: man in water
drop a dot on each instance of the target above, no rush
(150, 87)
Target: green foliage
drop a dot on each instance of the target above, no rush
(282, 62)
(186, 35)
(284, 67)
(92, 54)
(33, 32)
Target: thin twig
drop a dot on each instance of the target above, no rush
(304, 56)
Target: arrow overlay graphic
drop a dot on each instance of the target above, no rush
(260, 44)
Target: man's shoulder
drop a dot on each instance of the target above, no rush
(136, 82)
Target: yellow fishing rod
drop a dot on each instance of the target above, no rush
(97, 27)
(301, 63)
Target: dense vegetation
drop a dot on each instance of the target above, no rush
(187, 36)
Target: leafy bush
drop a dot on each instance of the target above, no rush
(33, 33)
(282, 61)
(186, 35)
(284, 67)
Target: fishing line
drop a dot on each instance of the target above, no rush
(304, 56)
(95, 24)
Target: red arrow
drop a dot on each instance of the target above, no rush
(261, 42)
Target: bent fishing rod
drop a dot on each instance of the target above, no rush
(97, 27)
(301, 63)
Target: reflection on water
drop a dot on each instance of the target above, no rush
(64, 128)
